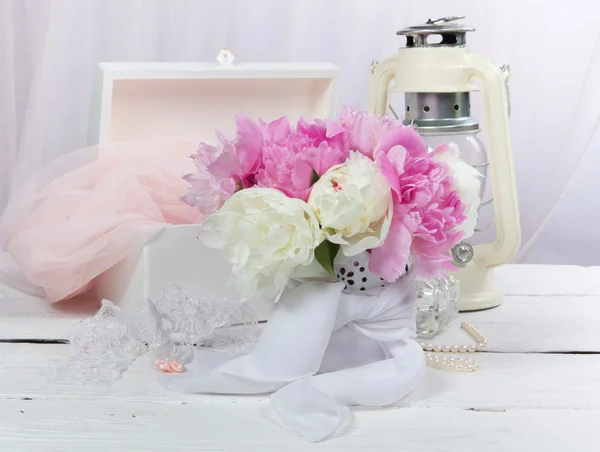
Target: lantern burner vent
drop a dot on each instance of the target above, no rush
(440, 113)
(444, 32)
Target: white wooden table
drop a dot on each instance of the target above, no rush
(538, 389)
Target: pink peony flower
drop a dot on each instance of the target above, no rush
(365, 130)
(277, 131)
(325, 131)
(248, 146)
(207, 192)
(427, 209)
(400, 135)
(290, 157)
(438, 233)
(322, 157)
(207, 154)
(284, 170)
(290, 168)
(238, 159)
(389, 260)
(222, 169)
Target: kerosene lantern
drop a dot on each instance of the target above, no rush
(437, 74)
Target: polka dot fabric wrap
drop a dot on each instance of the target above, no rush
(354, 272)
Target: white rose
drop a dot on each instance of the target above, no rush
(264, 235)
(466, 182)
(353, 203)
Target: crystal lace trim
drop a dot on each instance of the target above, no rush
(105, 345)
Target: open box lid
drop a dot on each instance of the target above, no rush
(190, 100)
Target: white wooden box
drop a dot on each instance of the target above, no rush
(191, 100)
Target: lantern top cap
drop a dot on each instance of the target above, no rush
(452, 33)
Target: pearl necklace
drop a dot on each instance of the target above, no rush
(456, 364)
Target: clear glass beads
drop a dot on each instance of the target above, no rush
(437, 304)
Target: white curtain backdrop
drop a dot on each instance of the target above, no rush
(49, 50)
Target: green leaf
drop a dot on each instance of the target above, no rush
(314, 178)
(240, 185)
(325, 254)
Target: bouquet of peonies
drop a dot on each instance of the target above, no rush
(362, 191)
(278, 198)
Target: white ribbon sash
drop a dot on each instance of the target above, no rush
(321, 352)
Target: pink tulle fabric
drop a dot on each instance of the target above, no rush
(86, 211)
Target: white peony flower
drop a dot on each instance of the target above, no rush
(466, 182)
(264, 235)
(353, 203)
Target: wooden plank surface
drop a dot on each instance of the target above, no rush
(553, 303)
(534, 324)
(521, 324)
(251, 425)
(532, 393)
(505, 380)
(544, 280)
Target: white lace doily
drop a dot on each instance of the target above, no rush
(105, 345)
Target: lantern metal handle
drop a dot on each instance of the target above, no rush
(506, 71)
(382, 74)
(444, 19)
(494, 96)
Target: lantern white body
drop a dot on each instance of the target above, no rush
(453, 70)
